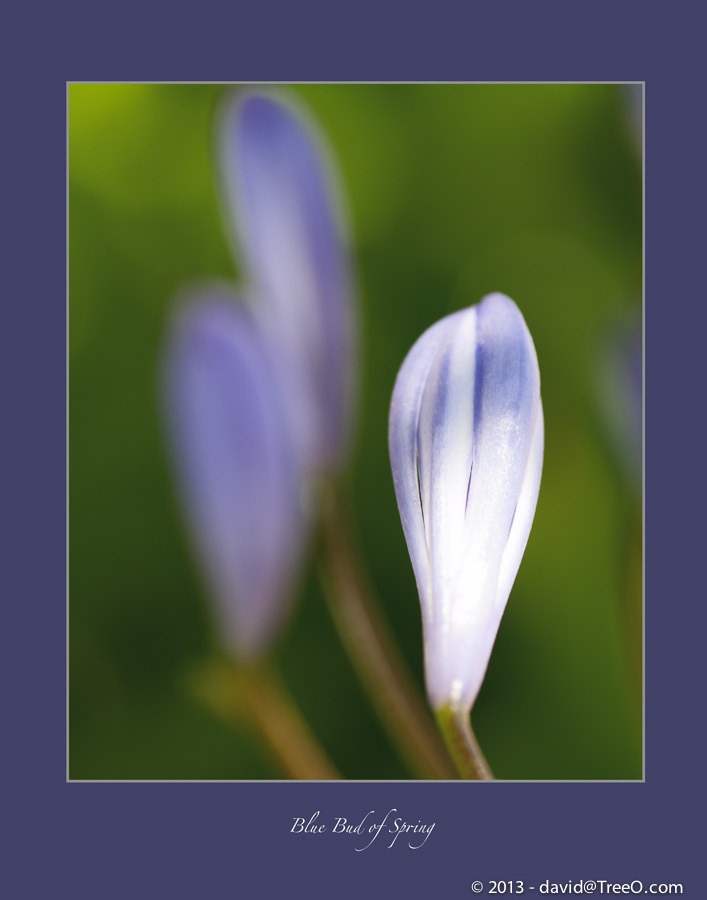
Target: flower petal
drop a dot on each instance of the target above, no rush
(280, 197)
(235, 465)
(507, 400)
(524, 513)
(445, 454)
(402, 441)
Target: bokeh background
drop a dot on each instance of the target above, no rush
(452, 192)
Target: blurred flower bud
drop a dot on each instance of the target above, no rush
(632, 101)
(235, 466)
(281, 201)
(466, 449)
(621, 394)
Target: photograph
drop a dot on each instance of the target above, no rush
(355, 432)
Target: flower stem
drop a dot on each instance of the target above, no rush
(255, 692)
(371, 649)
(455, 725)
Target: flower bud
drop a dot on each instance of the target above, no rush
(235, 464)
(281, 202)
(466, 449)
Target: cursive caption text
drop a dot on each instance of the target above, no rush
(369, 828)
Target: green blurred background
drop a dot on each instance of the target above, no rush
(453, 192)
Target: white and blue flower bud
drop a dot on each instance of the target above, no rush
(466, 448)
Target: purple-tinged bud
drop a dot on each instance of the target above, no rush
(282, 205)
(236, 468)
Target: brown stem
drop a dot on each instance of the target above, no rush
(372, 651)
(256, 692)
